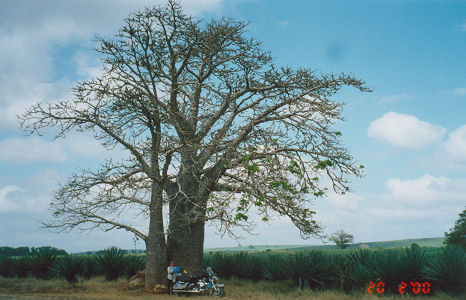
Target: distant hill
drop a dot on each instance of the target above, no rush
(427, 242)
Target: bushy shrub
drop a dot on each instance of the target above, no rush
(448, 270)
(112, 262)
(68, 266)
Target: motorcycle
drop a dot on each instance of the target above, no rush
(205, 284)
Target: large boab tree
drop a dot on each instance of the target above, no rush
(213, 130)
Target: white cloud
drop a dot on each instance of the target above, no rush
(22, 150)
(37, 149)
(404, 131)
(83, 145)
(45, 180)
(395, 98)
(86, 67)
(427, 189)
(5, 203)
(32, 31)
(33, 196)
(348, 201)
(200, 6)
(455, 146)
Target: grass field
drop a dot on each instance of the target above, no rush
(98, 288)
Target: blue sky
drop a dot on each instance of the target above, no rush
(410, 133)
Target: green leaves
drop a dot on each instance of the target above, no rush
(284, 185)
(241, 217)
(294, 168)
(323, 164)
(253, 167)
(457, 234)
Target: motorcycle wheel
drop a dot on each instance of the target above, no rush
(218, 291)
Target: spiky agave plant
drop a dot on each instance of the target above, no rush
(134, 264)
(447, 270)
(415, 261)
(297, 268)
(22, 266)
(359, 262)
(341, 269)
(251, 267)
(239, 258)
(275, 267)
(393, 266)
(359, 256)
(223, 264)
(320, 271)
(7, 266)
(112, 262)
(89, 267)
(42, 262)
(68, 266)
(207, 260)
(388, 266)
(315, 267)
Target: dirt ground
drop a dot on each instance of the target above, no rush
(99, 289)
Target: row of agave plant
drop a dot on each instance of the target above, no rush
(348, 271)
(111, 263)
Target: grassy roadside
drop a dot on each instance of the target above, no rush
(98, 288)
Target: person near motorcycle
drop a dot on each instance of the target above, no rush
(170, 278)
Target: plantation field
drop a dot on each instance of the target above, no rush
(282, 273)
(98, 288)
(427, 242)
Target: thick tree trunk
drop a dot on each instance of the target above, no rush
(185, 240)
(186, 248)
(156, 258)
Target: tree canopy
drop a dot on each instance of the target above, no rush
(341, 239)
(457, 234)
(213, 129)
